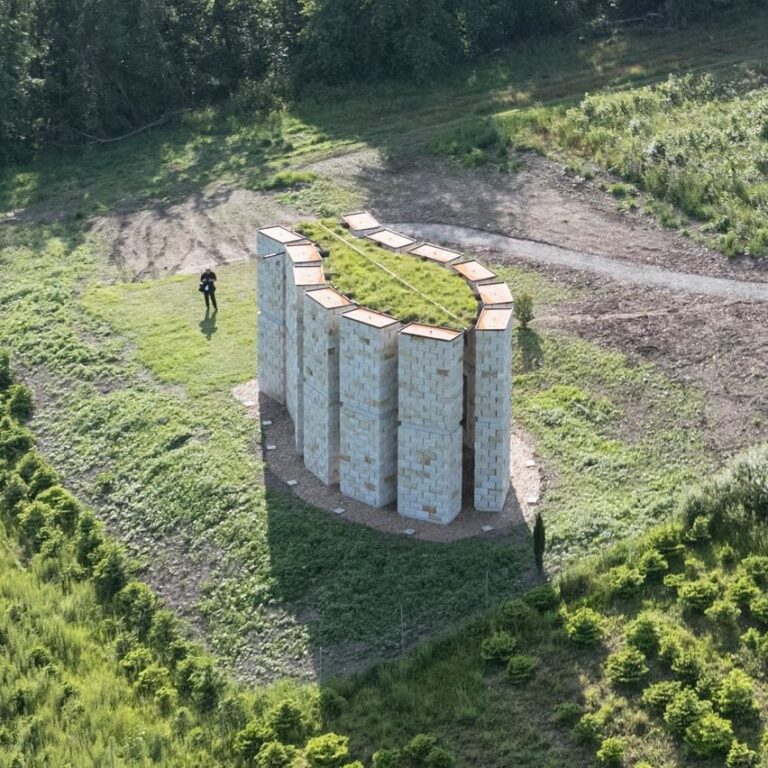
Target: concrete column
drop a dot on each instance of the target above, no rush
(270, 249)
(322, 401)
(429, 440)
(368, 420)
(492, 408)
(301, 279)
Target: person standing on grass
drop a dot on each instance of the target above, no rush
(208, 289)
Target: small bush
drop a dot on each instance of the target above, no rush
(652, 565)
(420, 746)
(741, 756)
(523, 308)
(741, 591)
(387, 758)
(698, 531)
(626, 667)
(584, 627)
(521, 668)
(723, 613)
(498, 647)
(758, 607)
(289, 179)
(687, 666)
(756, 567)
(656, 697)
(20, 403)
(567, 713)
(684, 710)
(110, 573)
(332, 703)
(439, 758)
(736, 695)
(667, 540)
(611, 752)
(544, 598)
(518, 617)
(249, 741)
(625, 582)
(709, 736)
(287, 723)
(589, 730)
(697, 595)
(643, 634)
(5, 369)
(273, 754)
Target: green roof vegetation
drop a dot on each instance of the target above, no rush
(385, 281)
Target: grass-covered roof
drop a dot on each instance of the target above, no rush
(399, 284)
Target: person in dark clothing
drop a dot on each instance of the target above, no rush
(208, 288)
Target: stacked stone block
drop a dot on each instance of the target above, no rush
(492, 407)
(270, 248)
(368, 420)
(430, 406)
(299, 279)
(322, 401)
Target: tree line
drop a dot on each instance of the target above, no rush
(78, 71)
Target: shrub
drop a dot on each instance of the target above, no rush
(43, 478)
(523, 310)
(667, 540)
(439, 758)
(498, 647)
(89, 538)
(709, 736)
(758, 607)
(137, 604)
(32, 525)
(152, 679)
(697, 595)
(584, 627)
(626, 667)
(543, 598)
(110, 573)
(656, 697)
(5, 370)
(741, 591)
(20, 402)
(420, 746)
(685, 709)
(736, 695)
(625, 582)
(643, 634)
(15, 493)
(198, 679)
(611, 752)
(751, 639)
(250, 740)
(698, 531)
(723, 613)
(273, 754)
(589, 730)
(521, 668)
(387, 758)
(135, 662)
(727, 556)
(327, 751)
(166, 700)
(66, 508)
(652, 565)
(518, 617)
(687, 666)
(756, 567)
(567, 713)
(741, 756)
(287, 723)
(331, 703)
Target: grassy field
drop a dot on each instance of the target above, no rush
(652, 656)
(385, 281)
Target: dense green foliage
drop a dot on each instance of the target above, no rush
(95, 672)
(76, 72)
(621, 679)
(384, 281)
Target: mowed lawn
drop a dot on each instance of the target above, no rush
(175, 337)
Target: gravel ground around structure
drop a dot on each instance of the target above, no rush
(285, 466)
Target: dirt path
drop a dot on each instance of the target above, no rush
(544, 253)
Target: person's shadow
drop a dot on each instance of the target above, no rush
(208, 324)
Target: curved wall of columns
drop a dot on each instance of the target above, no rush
(408, 413)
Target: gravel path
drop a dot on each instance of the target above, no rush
(468, 239)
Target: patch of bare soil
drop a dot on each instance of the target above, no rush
(540, 202)
(217, 226)
(288, 467)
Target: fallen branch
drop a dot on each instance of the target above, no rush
(159, 121)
